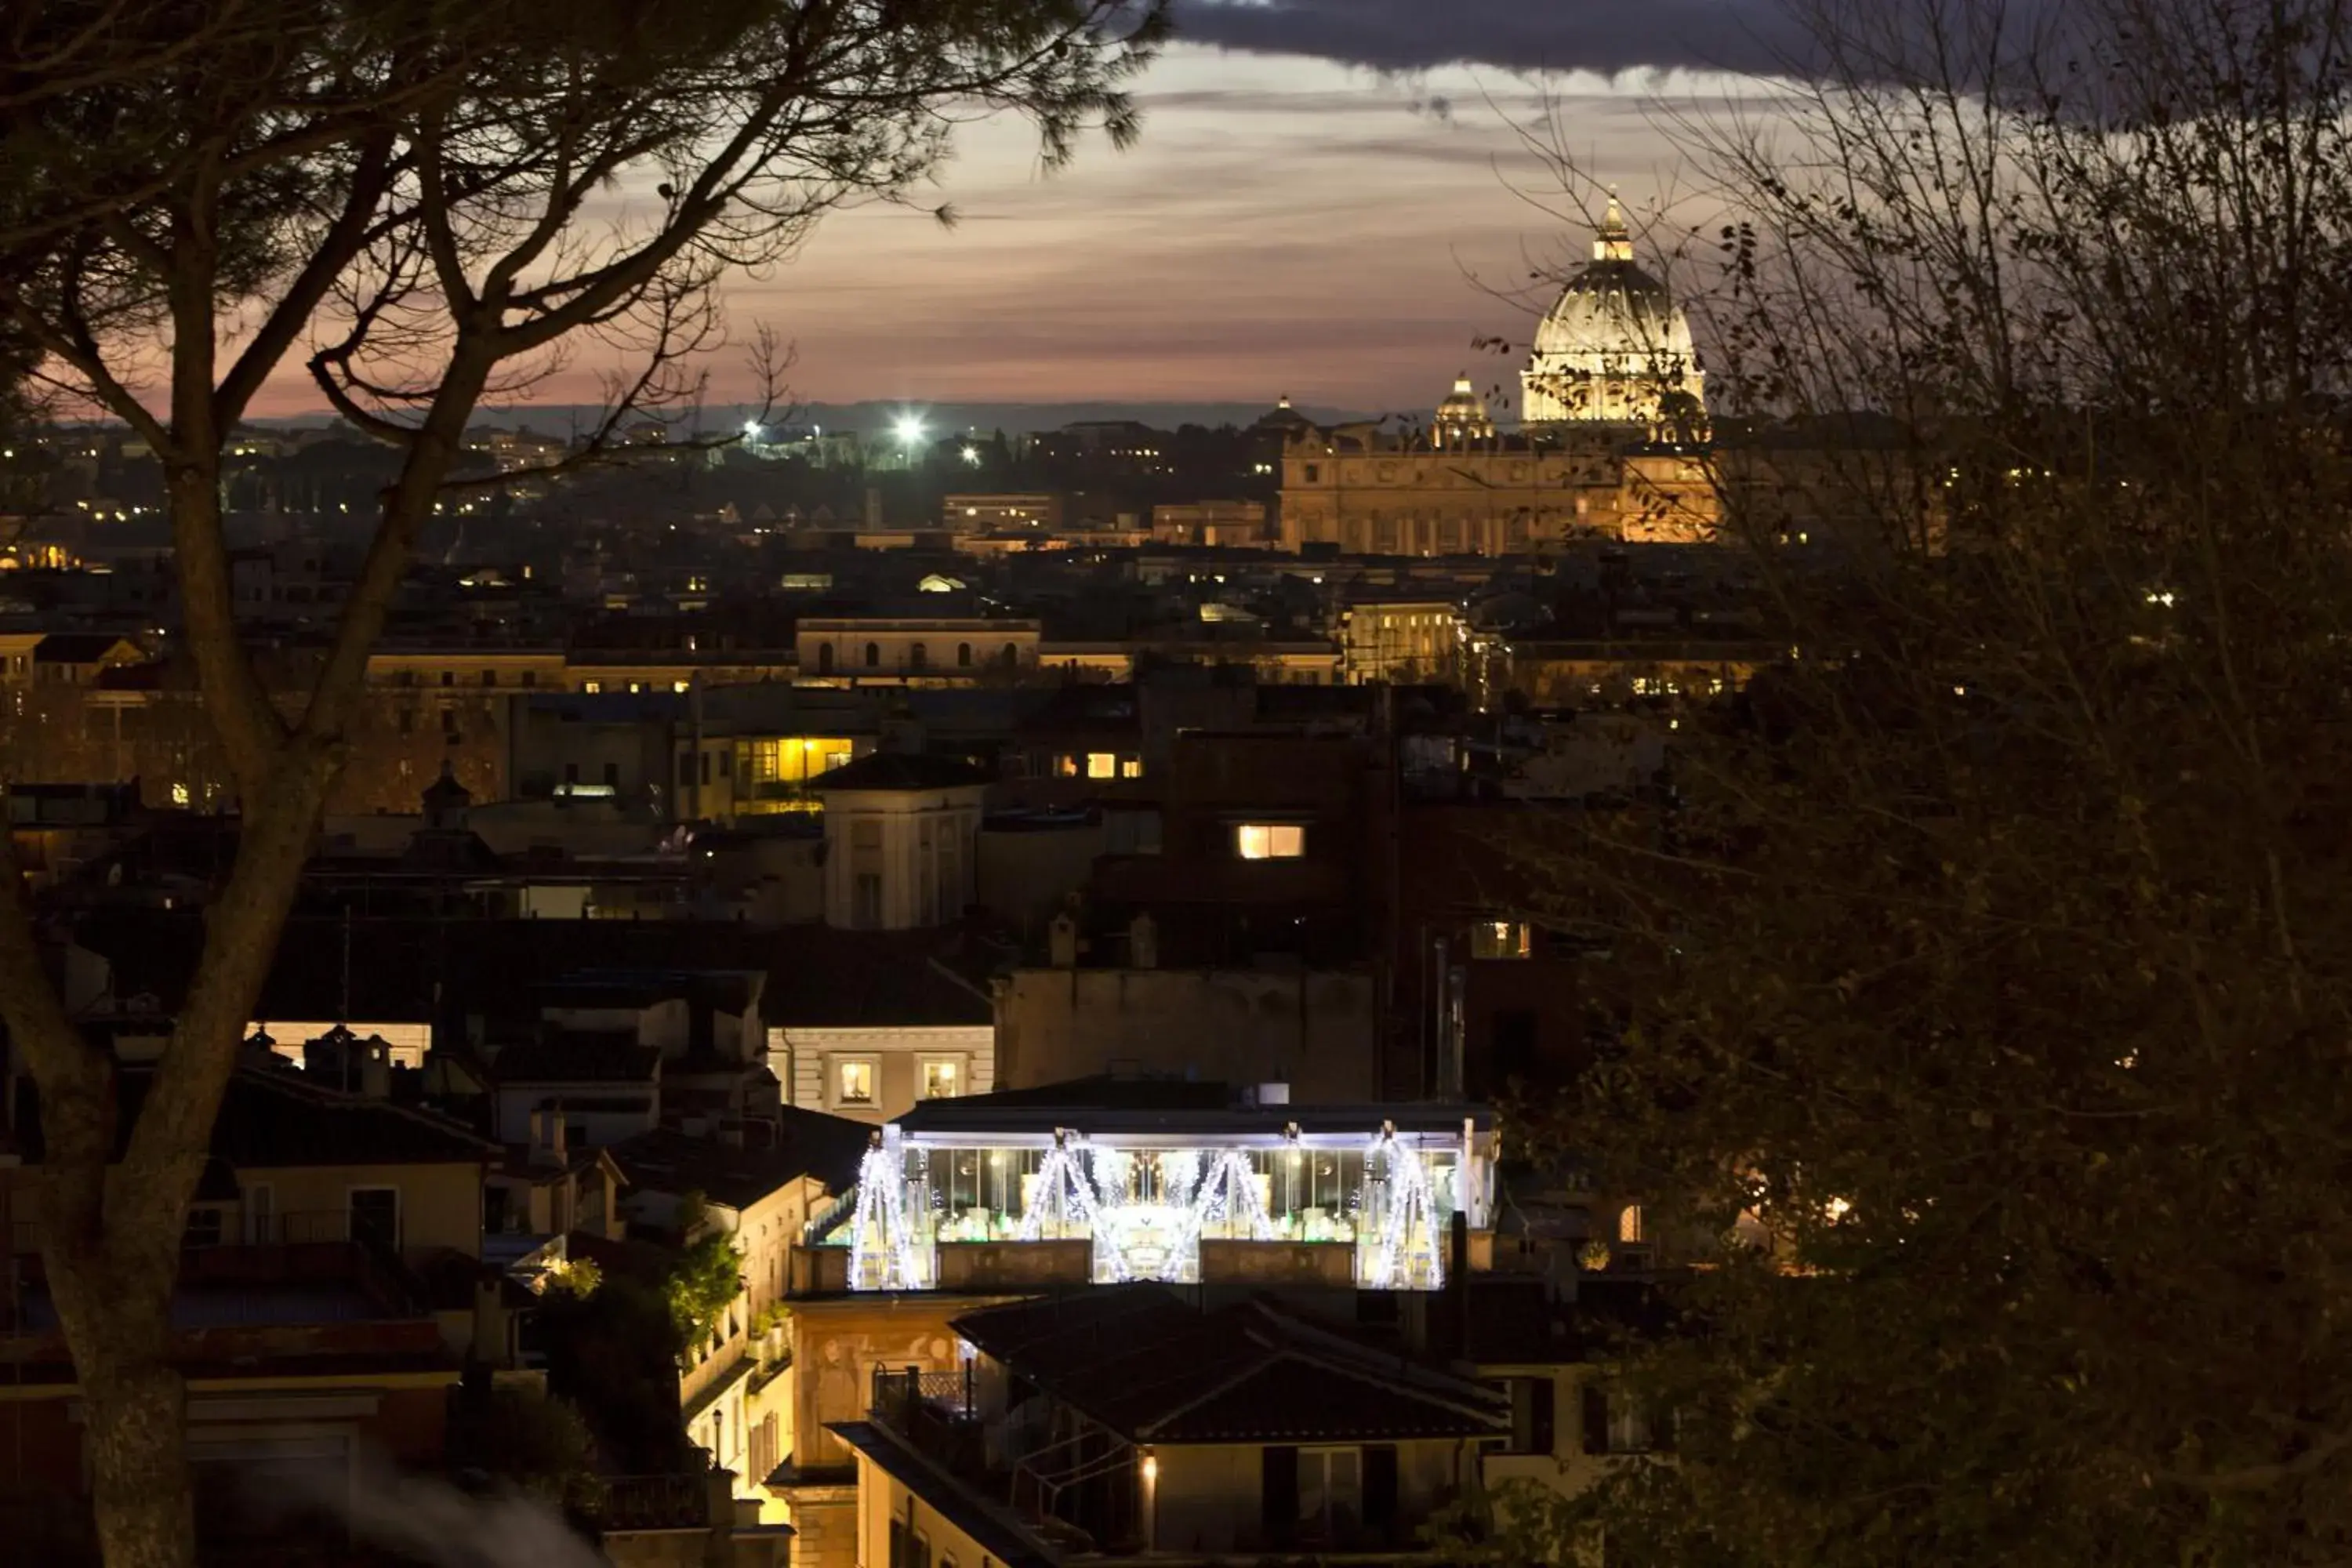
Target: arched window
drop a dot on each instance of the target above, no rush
(824, 658)
(918, 656)
(873, 656)
(1009, 656)
(963, 655)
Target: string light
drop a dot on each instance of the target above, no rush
(882, 1255)
(1231, 1198)
(1065, 1197)
(1400, 1214)
(1146, 1214)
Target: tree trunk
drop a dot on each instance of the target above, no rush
(110, 1225)
(137, 1423)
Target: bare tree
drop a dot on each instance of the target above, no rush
(424, 206)
(1989, 977)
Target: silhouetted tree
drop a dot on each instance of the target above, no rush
(1989, 987)
(436, 203)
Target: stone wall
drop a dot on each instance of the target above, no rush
(1316, 1030)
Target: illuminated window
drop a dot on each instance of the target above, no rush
(1130, 767)
(1500, 938)
(1101, 764)
(853, 1083)
(1629, 1225)
(591, 686)
(1269, 840)
(942, 1078)
(1066, 767)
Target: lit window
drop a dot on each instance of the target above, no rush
(1629, 1225)
(1101, 764)
(942, 1078)
(1067, 767)
(1500, 938)
(857, 1083)
(1269, 840)
(1130, 767)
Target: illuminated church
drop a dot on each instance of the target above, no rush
(1610, 442)
(1614, 349)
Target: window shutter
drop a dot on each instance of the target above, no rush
(1381, 1490)
(1278, 1494)
(1596, 1419)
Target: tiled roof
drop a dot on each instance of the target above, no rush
(810, 1144)
(1148, 1365)
(276, 1117)
(576, 1057)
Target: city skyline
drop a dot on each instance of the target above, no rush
(1288, 225)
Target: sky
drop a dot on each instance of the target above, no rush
(1326, 198)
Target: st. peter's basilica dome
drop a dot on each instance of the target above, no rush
(1614, 349)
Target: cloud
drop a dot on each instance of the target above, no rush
(1602, 35)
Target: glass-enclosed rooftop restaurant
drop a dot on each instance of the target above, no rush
(1113, 1180)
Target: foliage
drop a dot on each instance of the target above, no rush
(1982, 1000)
(613, 1355)
(418, 204)
(575, 1277)
(538, 1444)
(703, 1283)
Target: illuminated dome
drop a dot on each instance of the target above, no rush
(1614, 349)
(1463, 417)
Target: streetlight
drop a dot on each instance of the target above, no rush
(910, 429)
(971, 456)
(751, 431)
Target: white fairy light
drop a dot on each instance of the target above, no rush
(1180, 1173)
(1114, 1175)
(1231, 1197)
(1399, 1219)
(1064, 1194)
(881, 1246)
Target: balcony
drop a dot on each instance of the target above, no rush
(312, 1270)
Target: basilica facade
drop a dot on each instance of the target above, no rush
(1610, 443)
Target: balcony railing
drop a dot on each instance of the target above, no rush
(654, 1502)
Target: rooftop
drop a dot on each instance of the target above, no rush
(1109, 1106)
(1155, 1368)
(810, 1144)
(274, 1116)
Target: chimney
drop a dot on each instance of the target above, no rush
(376, 1068)
(547, 1135)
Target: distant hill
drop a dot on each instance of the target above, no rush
(939, 418)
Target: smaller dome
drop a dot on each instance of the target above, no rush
(1282, 416)
(1462, 416)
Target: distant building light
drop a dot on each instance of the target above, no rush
(1269, 840)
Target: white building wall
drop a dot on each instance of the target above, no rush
(805, 1061)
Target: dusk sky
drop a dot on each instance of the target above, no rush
(1325, 194)
(1317, 184)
